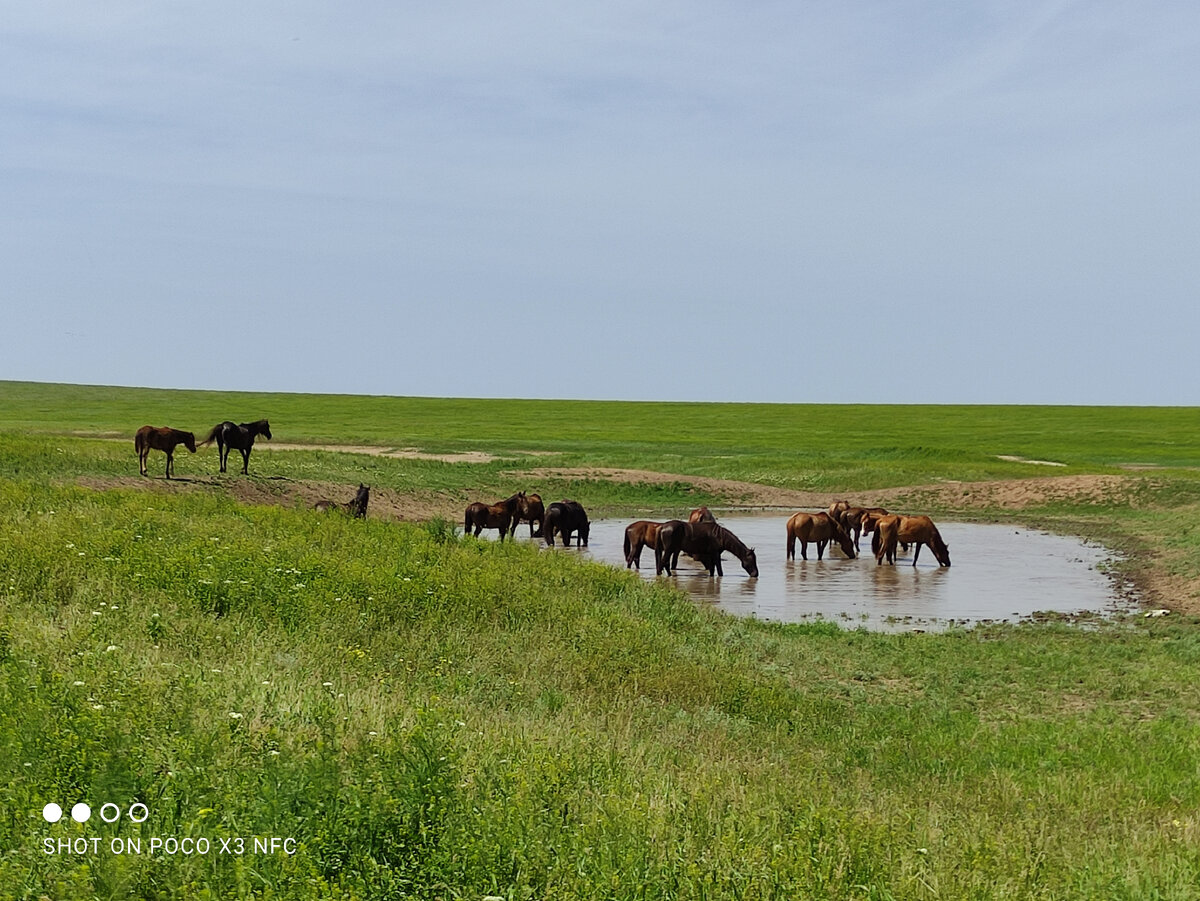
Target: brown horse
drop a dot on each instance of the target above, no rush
(918, 530)
(836, 508)
(500, 515)
(817, 527)
(149, 438)
(532, 511)
(852, 520)
(701, 514)
(566, 517)
(702, 541)
(637, 536)
(229, 435)
(356, 507)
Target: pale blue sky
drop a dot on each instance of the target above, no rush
(828, 202)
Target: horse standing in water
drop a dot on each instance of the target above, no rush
(356, 507)
(917, 530)
(703, 541)
(501, 515)
(637, 536)
(701, 514)
(532, 510)
(149, 438)
(230, 435)
(821, 528)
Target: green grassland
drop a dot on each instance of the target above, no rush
(433, 716)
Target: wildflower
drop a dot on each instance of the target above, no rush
(235, 715)
(97, 706)
(266, 682)
(110, 649)
(76, 683)
(327, 684)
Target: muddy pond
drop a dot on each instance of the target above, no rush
(999, 573)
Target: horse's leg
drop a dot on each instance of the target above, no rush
(916, 552)
(821, 549)
(245, 461)
(222, 453)
(720, 571)
(170, 455)
(791, 546)
(803, 549)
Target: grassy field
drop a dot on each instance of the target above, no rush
(436, 717)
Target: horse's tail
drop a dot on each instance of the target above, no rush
(628, 546)
(139, 441)
(211, 435)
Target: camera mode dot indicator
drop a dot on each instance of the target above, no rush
(81, 813)
(52, 813)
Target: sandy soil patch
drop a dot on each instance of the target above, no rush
(403, 453)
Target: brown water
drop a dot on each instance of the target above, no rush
(999, 573)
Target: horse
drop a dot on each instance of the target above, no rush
(501, 515)
(566, 517)
(916, 530)
(532, 511)
(230, 435)
(149, 438)
(637, 536)
(820, 528)
(852, 519)
(835, 509)
(701, 514)
(356, 507)
(703, 541)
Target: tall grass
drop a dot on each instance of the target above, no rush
(431, 716)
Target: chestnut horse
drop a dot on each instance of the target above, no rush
(637, 536)
(701, 514)
(356, 507)
(917, 530)
(852, 519)
(230, 435)
(702, 541)
(501, 515)
(149, 438)
(817, 527)
(532, 511)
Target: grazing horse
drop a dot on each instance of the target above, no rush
(356, 507)
(501, 515)
(566, 517)
(703, 541)
(701, 514)
(532, 511)
(149, 438)
(637, 536)
(820, 528)
(917, 530)
(231, 435)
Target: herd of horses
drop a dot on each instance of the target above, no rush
(700, 537)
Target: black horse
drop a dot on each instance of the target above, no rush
(566, 517)
(229, 435)
(703, 541)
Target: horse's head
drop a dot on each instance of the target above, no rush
(941, 550)
(189, 441)
(265, 429)
(750, 563)
(845, 542)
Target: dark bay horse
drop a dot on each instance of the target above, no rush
(531, 510)
(856, 519)
(820, 528)
(501, 515)
(231, 435)
(566, 517)
(149, 438)
(703, 541)
(701, 514)
(356, 507)
(637, 536)
(918, 530)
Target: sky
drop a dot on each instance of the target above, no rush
(817, 202)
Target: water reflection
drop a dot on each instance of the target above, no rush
(999, 573)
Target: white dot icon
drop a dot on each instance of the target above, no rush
(81, 813)
(52, 812)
